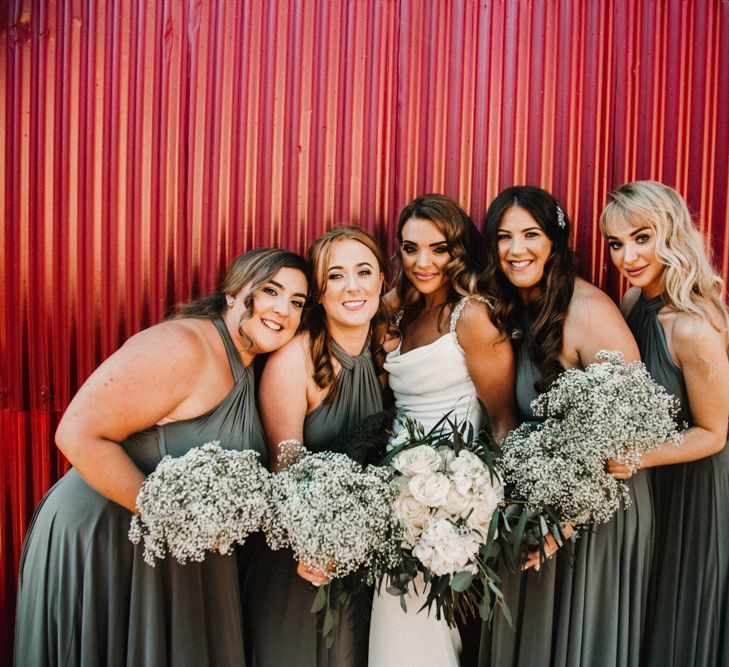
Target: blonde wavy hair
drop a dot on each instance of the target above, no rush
(690, 282)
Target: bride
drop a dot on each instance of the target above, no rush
(449, 355)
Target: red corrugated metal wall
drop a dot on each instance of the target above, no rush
(145, 143)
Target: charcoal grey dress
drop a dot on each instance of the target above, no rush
(589, 615)
(688, 617)
(86, 596)
(282, 629)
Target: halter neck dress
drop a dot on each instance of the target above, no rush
(590, 614)
(86, 596)
(427, 382)
(282, 629)
(688, 617)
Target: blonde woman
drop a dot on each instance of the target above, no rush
(676, 312)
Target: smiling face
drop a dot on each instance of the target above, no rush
(277, 309)
(424, 255)
(353, 278)
(633, 251)
(524, 249)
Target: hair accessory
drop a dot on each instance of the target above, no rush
(560, 217)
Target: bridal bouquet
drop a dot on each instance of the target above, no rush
(447, 492)
(335, 515)
(209, 499)
(608, 410)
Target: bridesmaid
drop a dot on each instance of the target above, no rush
(316, 390)
(592, 613)
(677, 313)
(86, 596)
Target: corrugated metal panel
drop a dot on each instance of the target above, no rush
(144, 144)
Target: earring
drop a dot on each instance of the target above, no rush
(229, 300)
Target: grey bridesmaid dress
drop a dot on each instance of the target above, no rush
(282, 630)
(589, 613)
(688, 617)
(86, 596)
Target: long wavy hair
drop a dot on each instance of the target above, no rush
(537, 326)
(690, 282)
(248, 272)
(315, 318)
(465, 247)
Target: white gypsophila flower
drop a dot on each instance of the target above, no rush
(445, 549)
(430, 488)
(209, 499)
(335, 515)
(417, 461)
(609, 410)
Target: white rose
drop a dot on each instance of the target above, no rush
(468, 464)
(418, 460)
(456, 503)
(430, 488)
(411, 512)
(410, 536)
(445, 550)
(480, 517)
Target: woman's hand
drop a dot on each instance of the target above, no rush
(312, 574)
(534, 559)
(619, 470)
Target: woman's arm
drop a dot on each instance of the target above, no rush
(149, 378)
(283, 395)
(700, 351)
(490, 363)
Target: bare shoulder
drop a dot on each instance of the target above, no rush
(295, 355)
(588, 300)
(474, 322)
(692, 336)
(178, 345)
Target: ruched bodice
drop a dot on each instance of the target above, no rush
(431, 381)
(526, 375)
(359, 394)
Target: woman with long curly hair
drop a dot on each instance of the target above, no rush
(85, 594)
(314, 391)
(592, 613)
(448, 356)
(676, 310)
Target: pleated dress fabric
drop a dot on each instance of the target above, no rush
(282, 630)
(688, 619)
(587, 614)
(86, 596)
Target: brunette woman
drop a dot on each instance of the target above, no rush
(448, 356)
(676, 311)
(314, 391)
(592, 613)
(86, 596)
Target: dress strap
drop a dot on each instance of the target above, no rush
(236, 365)
(459, 309)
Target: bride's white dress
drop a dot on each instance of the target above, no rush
(427, 382)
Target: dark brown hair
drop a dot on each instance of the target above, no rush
(538, 326)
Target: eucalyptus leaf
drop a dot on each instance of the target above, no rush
(461, 581)
(320, 599)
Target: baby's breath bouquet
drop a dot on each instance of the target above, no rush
(335, 515)
(611, 409)
(446, 494)
(209, 499)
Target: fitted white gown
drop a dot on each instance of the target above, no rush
(427, 383)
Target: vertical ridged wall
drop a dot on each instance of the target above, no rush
(145, 143)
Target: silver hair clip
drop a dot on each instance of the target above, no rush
(560, 217)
